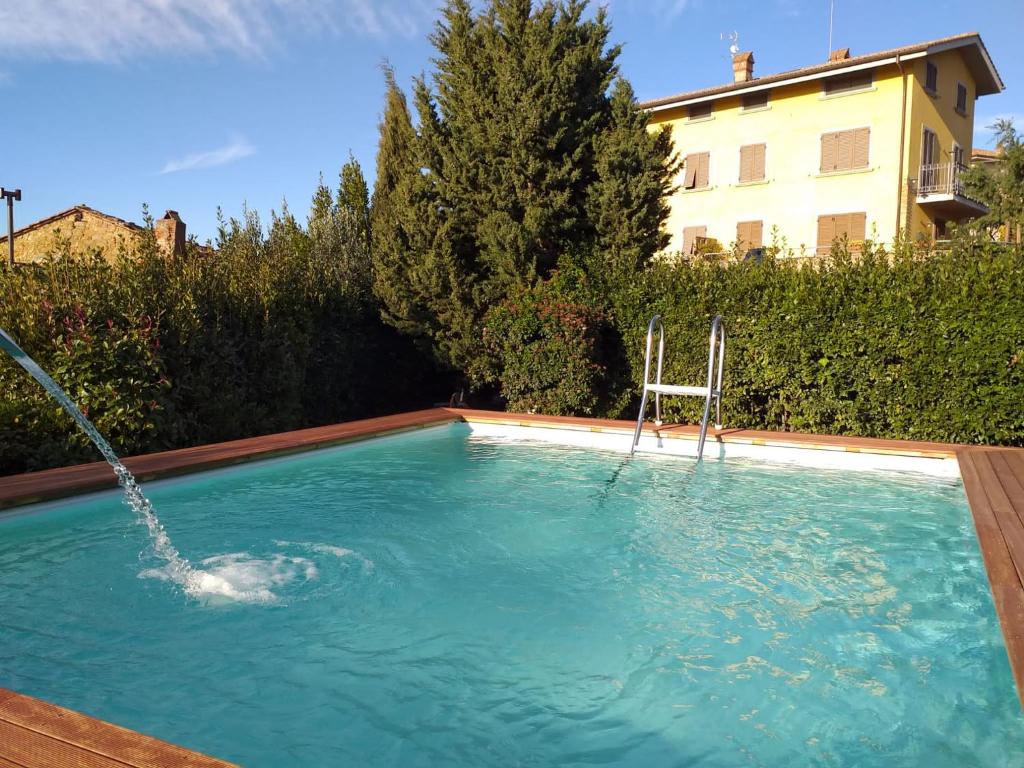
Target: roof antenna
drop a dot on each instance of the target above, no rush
(831, 9)
(734, 41)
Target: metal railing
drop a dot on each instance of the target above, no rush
(711, 392)
(941, 179)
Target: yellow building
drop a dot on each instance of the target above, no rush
(863, 146)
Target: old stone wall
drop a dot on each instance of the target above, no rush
(87, 232)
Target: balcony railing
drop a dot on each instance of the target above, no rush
(941, 179)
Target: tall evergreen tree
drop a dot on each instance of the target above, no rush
(520, 158)
(628, 200)
(354, 197)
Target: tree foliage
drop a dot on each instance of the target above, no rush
(1000, 185)
(276, 331)
(527, 153)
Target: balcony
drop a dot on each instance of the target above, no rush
(940, 190)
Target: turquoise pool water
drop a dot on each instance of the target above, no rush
(439, 600)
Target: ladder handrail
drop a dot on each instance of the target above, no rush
(655, 323)
(713, 390)
(717, 335)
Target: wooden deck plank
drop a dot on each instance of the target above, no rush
(35, 733)
(998, 562)
(992, 479)
(1002, 509)
(1011, 477)
(32, 487)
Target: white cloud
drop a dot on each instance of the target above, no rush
(117, 30)
(236, 149)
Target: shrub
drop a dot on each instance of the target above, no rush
(276, 331)
(555, 350)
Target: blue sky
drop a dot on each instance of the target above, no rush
(194, 104)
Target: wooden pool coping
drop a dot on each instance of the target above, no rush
(993, 480)
(35, 734)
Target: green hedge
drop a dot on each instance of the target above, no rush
(910, 346)
(272, 333)
(925, 346)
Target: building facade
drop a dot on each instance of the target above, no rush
(83, 230)
(863, 147)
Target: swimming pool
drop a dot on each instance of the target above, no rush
(446, 598)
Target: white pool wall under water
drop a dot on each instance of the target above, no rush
(819, 457)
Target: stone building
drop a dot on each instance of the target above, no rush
(86, 231)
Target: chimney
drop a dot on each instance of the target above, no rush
(743, 66)
(170, 234)
(839, 54)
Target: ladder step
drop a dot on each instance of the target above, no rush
(671, 389)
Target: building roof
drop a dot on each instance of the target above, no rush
(970, 45)
(986, 154)
(80, 208)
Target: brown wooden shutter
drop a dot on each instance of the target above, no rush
(844, 154)
(690, 235)
(856, 226)
(829, 150)
(749, 234)
(746, 164)
(691, 172)
(861, 143)
(826, 233)
(752, 162)
(703, 169)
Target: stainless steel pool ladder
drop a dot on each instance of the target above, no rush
(711, 392)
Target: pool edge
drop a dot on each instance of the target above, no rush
(993, 479)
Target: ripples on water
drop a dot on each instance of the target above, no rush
(439, 600)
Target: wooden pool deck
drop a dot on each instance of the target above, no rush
(35, 734)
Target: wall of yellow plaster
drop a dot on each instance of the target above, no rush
(937, 113)
(794, 193)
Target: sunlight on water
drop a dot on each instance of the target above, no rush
(440, 599)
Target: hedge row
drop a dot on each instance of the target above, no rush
(273, 333)
(910, 346)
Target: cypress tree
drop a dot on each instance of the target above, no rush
(628, 200)
(519, 159)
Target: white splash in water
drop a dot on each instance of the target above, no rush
(328, 549)
(240, 577)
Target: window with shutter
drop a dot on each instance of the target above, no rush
(697, 170)
(961, 98)
(690, 235)
(837, 225)
(753, 101)
(698, 111)
(845, 150)
(931, 80)
(749, 234)
(851, 83)
(695, 176)
(690, 176)
(752, 162)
